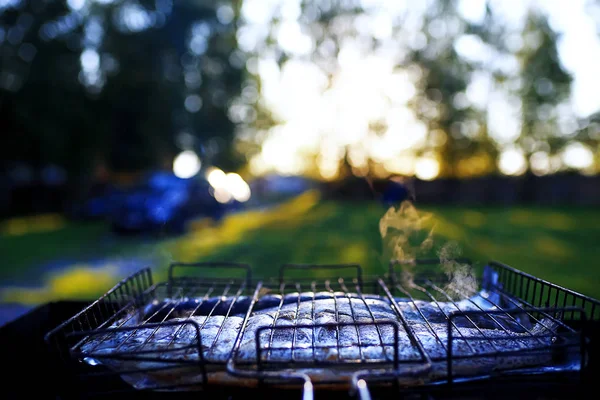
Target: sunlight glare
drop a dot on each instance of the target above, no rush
(357, 156)
(512, 162)
(402, 165)
(328, 169)
(540, 163)
(186, 164)
(577, 155)
(222, 195)
(216, 177)
(503, 118)
(427, 168)
(291, 38)
(279, 155)
(472, 10)
(238, 188)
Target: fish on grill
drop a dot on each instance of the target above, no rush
(325, 340)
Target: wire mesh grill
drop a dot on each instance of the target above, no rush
(192, 330)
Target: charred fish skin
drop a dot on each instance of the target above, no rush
(324, 342)
(159, 310)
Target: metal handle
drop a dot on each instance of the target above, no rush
(360, 386)
(358, 268)
(336, 325)
(286, 376)
(360, 378)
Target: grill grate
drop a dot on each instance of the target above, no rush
(194, 331)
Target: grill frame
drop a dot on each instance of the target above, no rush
(135, 290)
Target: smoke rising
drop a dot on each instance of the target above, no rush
(408, 234)
(461, 277)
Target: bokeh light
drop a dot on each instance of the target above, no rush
(228, 186)
(577, 155)
(427, 168)
(540, 163)
(216, 177)
(512, 162)
(186, 164)
(238, 188)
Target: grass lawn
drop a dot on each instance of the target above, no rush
(558, 245)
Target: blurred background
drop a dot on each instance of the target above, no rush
(140, 132)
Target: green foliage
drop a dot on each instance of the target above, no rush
(556, 244)
(126, 112)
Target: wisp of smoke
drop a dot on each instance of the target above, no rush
(408, 234)
(461, 278)
(405, 237)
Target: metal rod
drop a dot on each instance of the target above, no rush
(354, 318)
(211, 265)
(128, 318)
(156, 329)
(411, 334)
(357, 267)
(172, 302)
(277, 312)
(489, 315)
(313, 287)
(236, 297)
(438, 289)
(509, 315)
(530, 306)
(456, 314)
(237, 343)
(223, 295)
(337, 318)
(77, 317)
(434, 300)
(427, 324)
(362, 297)
(499, 265)
(296, 322)
(135, 356)
(307, 387)
(202, 300)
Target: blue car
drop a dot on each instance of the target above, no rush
(164, 203)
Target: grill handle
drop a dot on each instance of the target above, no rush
(211, 265)
(307, 385)
(317, 267)
(337, 326)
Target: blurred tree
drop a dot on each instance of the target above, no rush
(456, 130)
(446, 54)
(545, 86)
(129, 83)
(319, 28)
(423, 45)
(122, 84)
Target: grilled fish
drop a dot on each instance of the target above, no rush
(317, 333)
